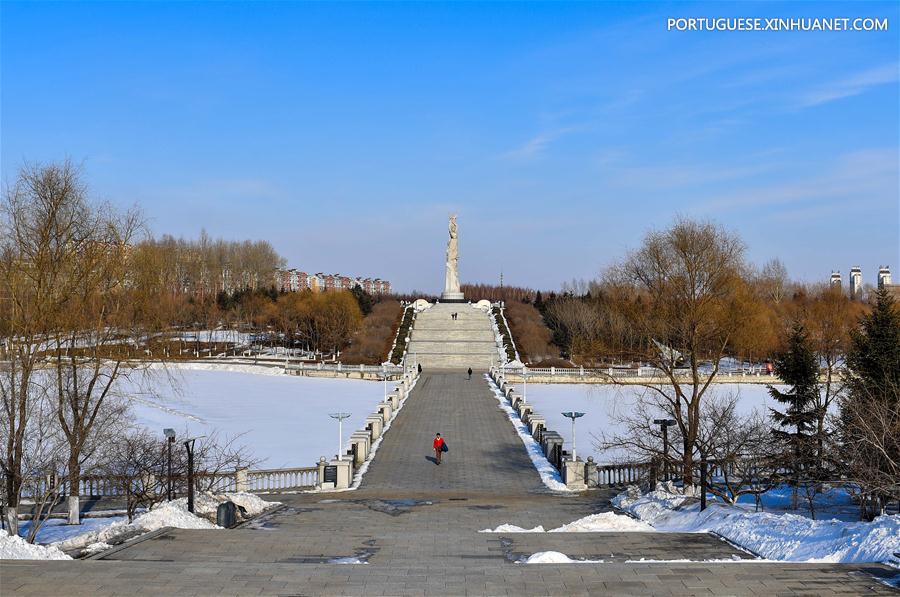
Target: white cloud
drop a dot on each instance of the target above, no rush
(536, 146)
(851, 86)
(866, 177)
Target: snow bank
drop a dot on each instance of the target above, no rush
(549, 475)
(168, 514)
(555, 557)
(594, 523)
(783, 537)
(511, 528)
(604, 522)
(16, 548)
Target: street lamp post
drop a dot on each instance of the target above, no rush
(340, 419)
(573, 415)
(664, 425)
(189, 446)
(170, 441)
(525, 385)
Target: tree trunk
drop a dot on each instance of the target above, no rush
(74, 500)
(12, 520)
(687, 463)
(12, 501)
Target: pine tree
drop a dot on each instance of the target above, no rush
(796, 366)
(363, 298)
(870, 411)
(874, 356)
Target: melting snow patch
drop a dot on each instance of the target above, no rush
(603, 522)
(595, 523)
(555, 557)
(169, 514)
(347, 561)
(96, 548)
(511, 528)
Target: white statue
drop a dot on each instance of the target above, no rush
(451, 282)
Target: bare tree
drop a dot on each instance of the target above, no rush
(692, 302)
(43, 219)
(738, 448)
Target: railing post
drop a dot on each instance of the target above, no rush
(240, 480)
(321, 477)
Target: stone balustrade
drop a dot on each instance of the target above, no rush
(338, 473)
(576, 474)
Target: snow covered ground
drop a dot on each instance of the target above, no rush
(283, 418)
(784, 537)
(58, 529)
(96, 534)
(604, 403)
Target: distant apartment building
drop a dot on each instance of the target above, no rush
(836, 279)
(855, 283)
(293, 280)
(884, 281)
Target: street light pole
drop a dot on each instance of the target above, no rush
(189, 446)
(340, 419)
(573, 415)
(664, 425)
(170, 441)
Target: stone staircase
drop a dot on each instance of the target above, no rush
(439, 342)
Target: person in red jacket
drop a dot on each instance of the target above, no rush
(438, 447)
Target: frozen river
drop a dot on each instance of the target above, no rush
(604, 405)
(283, 419)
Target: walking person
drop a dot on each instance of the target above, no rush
(439, 447)
(419, 366)
(470, 374)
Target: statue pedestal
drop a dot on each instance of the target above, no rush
(452, 297)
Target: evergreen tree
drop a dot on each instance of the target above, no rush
(796, 366)
(870, 411)
(874, 356)
(363, 298)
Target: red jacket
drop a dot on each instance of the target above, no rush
(438, 442)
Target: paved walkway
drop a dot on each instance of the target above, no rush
(485, 453)
(415, 526)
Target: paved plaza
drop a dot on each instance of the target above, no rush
(412, 529)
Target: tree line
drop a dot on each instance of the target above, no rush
(684, 302)
(87, 299)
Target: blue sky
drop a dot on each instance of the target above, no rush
(560, 133)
